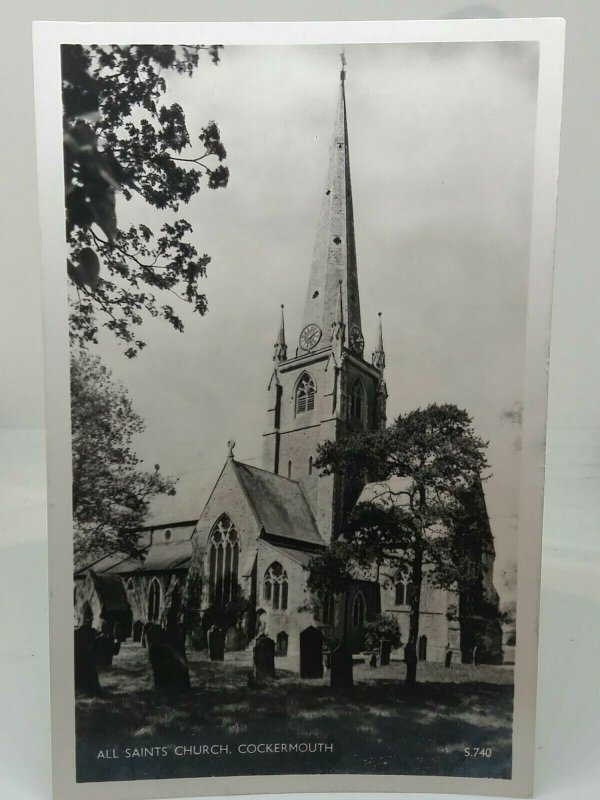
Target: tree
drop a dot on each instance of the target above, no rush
(425, 465)
(119, 137)
(111, 492)
(383, 627)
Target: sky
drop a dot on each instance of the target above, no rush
(441, 140)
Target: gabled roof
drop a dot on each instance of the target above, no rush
(109, 589)
(164, 555)
(299, 556)
(279, 503)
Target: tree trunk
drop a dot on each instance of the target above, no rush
(410, 651)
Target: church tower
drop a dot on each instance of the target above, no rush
(327, 388)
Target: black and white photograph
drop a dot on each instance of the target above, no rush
(298, 281)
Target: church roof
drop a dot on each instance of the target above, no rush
(299, 556)
(109, 589)
(163, 555)
(280, 504)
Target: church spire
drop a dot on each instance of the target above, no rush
(334, 256)
(338, 328)
(378, 357)
(280, 353)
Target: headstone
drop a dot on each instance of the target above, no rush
(448, 659)
(138, 628)
(168, 661)
(103, 648)
(281, 644)
(373, 660)
(86, 674)
(264, 659)
(410, 659)
(385, 650)
(116, 647)
(216, 643)
(119, 632)
(235, 639)
(311, 653)
(341, 668)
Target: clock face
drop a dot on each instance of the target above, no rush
(310, 336)
(357, 342)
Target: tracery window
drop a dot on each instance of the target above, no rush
(154, 599)
(224, 556)
(357, 400)
(359, 608)
(404, 592)
(305, 394)
(275, 587)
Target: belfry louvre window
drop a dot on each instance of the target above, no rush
(275, 587)
(357, 400)
(224, 556)
(305, 394)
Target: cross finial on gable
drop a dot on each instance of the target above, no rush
(230, 446)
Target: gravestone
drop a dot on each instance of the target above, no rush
(119, 632)
(264, 659)
(138, 628)
(86, 674)
(281, 644)
(168, 661)
(311, 653)
(373, 660)
(448, 659)
(385, 649)
(216, 643)
(341, 668)
(103, 648)
(235, 639)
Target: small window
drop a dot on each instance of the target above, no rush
(289, 469)
(359, 608)
(168, 533)
(403, 592)
(328, 609)
(154, 601)
(305, 394)
(275, 589)
(310, 465)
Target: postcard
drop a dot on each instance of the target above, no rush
(297, 284)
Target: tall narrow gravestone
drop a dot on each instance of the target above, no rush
(86, 674)
(385, 649)
(264, 659)
(341, 668)
(216, 643)
(168, 661)
(311, 653)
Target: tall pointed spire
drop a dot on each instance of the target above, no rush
(334, 256)
(378, 357)
(280, 348)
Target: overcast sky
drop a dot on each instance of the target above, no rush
(441, 149)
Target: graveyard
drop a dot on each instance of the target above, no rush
(416, 729)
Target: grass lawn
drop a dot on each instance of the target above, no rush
(382, 726)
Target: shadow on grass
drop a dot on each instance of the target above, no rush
(381, 726)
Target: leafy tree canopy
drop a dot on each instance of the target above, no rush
(421, 519)
(111, 490)
(120, 137)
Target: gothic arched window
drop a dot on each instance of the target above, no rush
(359, 609)
(224, 556)
(403, 591)
(357, 400)
(328, 609)
(275, 587)
(305, 394)
(154, 598)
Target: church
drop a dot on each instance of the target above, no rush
(244, 563)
